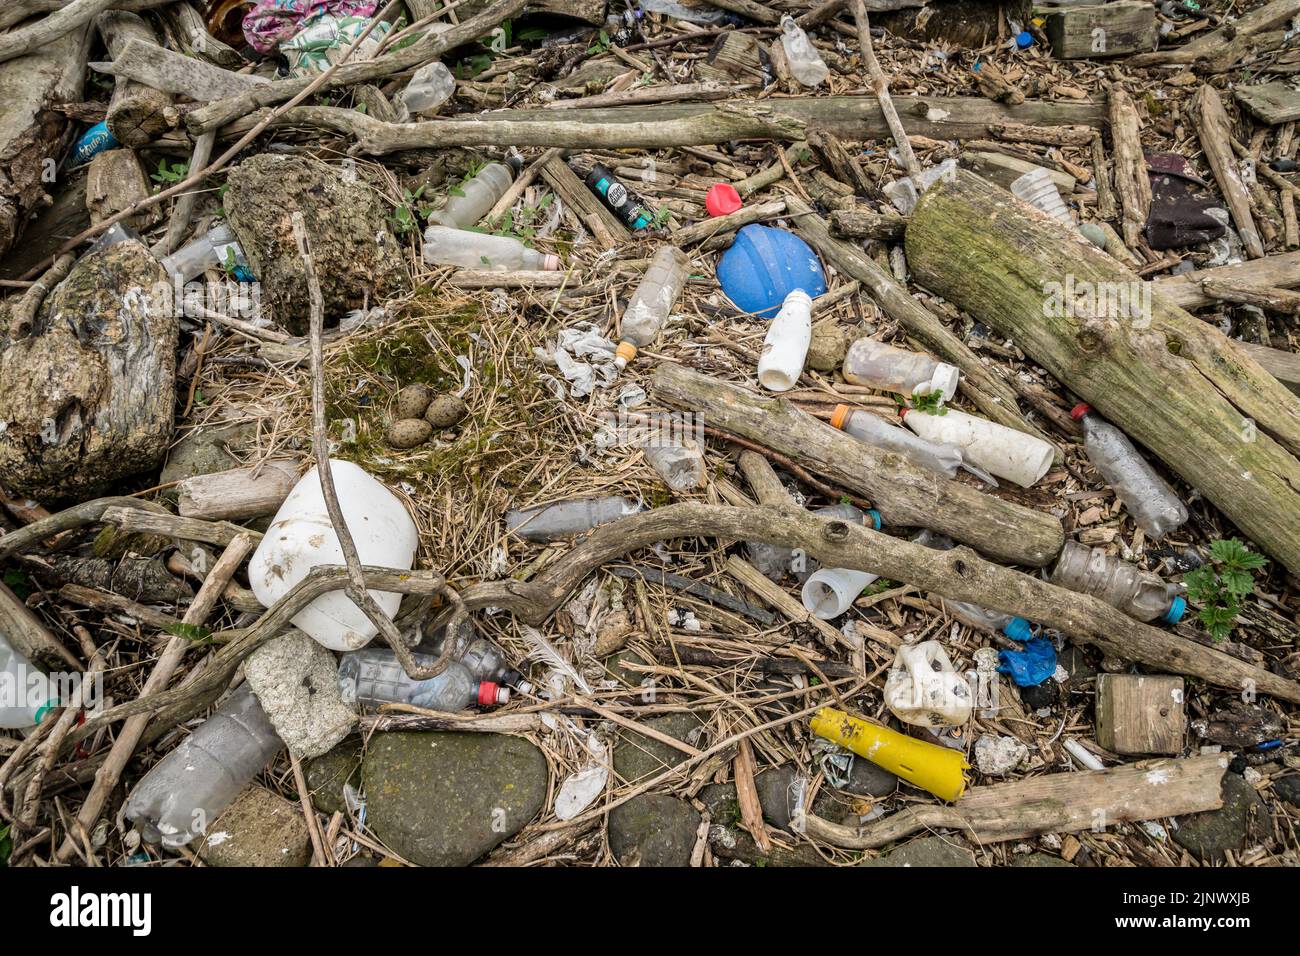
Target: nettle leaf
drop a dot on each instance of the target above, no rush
(1202, 584)
(1238, 582)
(190, 632)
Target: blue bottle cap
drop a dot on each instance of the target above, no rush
(1018, 629)
(1177, 608)
(764, 265)
(876, 521)
(1024, 39)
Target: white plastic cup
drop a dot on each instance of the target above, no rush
(997, 449)
(786, 346)
(1037, 188)
(829, 592)
(301, 538)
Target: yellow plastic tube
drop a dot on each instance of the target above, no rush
(936, 769)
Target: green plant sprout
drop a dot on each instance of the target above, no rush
(1221, 586)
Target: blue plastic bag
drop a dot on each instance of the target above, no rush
(1032, 666)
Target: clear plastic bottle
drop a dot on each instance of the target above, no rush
(939, 457)
(566, 518)
(482, 658)
(1147, 497)
(430, 86)
(374, 676)
(891, 369)
(444, 246)
(1137, 593)
(25, 690)
(188, 789)
(806, 64)
(471, 201)
(652, 302)
(1037, 188)
(216, 248)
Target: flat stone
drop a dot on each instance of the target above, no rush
(260, 828)
(866, 779)
(204, 451)
(637, 756)
(653, 829)
(1040, 859)
(734, 843)
(1288, 789)
(446, 798)
(1208, 834)
(330, 772)
(927, 851)
(296, 681)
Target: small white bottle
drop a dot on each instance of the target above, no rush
(785, 348)
(563, 519)
(25, 691)
(652, 302)
(999, 450)
(301, 537)
(468, 203)
(876, 364)
(444, 246)
(806, 64)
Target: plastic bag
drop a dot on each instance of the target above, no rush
(1032, 666)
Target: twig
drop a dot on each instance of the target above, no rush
(880, 86)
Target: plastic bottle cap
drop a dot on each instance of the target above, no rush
(944, 380)
(1024, 39)
(1083, 408)
(1018, 629)
(876, 520)
(1176, 610)
(840, 415)
(489, 694)
(625, 352)
(722, 199)
(551, 262)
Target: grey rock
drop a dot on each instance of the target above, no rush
(774, 795)
(829, 344)
(1075, 662)
(1040, 859)
(1208, 834)
(927, 851)
(445, 799)
(1288, 789)
(205, 451)
(868, 780)
(653, 829)
(720, 800)
(260, 828)
(296, 681)
(637, 756)
(733, 843)
(330, 772)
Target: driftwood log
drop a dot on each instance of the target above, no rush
(137, 114)
(1187, 290)
(905, 495)
(1215, 133)
(115, 180)
(150, 65)
(237, 494)
(1053, 803)
(1171, 382)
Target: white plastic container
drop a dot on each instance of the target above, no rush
(1036, 188)
(301, 538)
(829, 592)
(786, 345)
(999, 450)
(25, 690)
(444, 246)
(876, 364)
(652, 302)
(925, 690)
(470, 202)
(806, 64)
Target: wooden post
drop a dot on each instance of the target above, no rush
(1215, 133)
(1140, 715)
(1171, 382)
(136, 113)
(1095, 31)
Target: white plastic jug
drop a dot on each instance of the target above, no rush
(301, 538)
(923, 688)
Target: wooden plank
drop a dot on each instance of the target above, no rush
(1272, 103)
(1184, 290)
(1004, 170)
(1283, 366)
(1101, 30)
(1138, 714)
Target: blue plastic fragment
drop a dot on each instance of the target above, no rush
(764, 265)
(1268, 745)
(93, 141)
(1032, 666)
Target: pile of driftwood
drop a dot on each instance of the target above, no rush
(125, 559)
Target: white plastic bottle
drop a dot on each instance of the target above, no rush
(444, 246)
(786, 345)
(652, 302)
(563, 519)
(471, 201)
(806, 64)
(1037, 188)
(997, 449)
(25, 690)
(925, 690)
(876, 364)
(1155, 508)
(829, 592)
(185, 792)
(301, 538)
(374, 676)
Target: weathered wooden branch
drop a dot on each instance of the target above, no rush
(993, 397)
(1187, 290)
(1269, 298)
(28, 636)
(1131, 180)
(1052, 803)
(16, 11)
(1215, 133)
(905, 495)
(880, 86)
(237, 494)
(1259, 20)
(1173, 383)
(137, 112)
(170, 72)
(194, 37)
(62, 22)
(865, 224)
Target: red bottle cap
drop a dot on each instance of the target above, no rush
(722, 199)
(487, 694)
(1083, 408)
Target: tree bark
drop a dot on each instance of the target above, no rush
(1171, 382)
(905, 495)
(136, 113)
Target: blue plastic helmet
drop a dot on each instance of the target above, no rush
(764, 265)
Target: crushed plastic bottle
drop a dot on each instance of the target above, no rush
(1137, 593)
(91, 143)
(26, 694)
(1145, 495)
(876, 364)
(680, 465)
(630, 208)
(785, 348)
(940, 457)
(444, 246)
(483, 658)
(806, 64)
(217, 248)
(903, 192)
(999, 450)
(188, 789)
(374, 676)
(652, 302)
(564, 519)
(471, 201)
(924, 689)
(429, 87)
